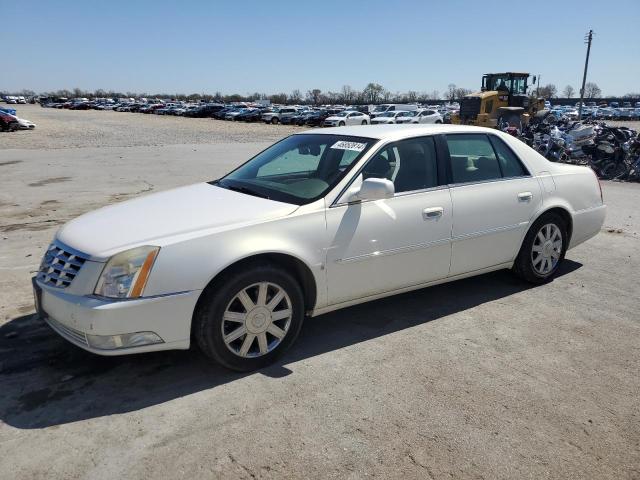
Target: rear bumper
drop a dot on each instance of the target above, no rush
(88, 321)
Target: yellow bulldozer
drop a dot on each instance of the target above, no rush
(502, 101)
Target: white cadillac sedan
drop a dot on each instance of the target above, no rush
(319, 221)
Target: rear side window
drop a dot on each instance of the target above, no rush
(472, 158)
(510, 164)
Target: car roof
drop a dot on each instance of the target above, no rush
(397, 132)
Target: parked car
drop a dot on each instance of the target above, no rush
(204, 110)
(80, 106)
(388, 117)
(10, 111)
(317, 118)
(427, 116)
(295, 118)
(220, 114)
(289, 234)
(347, 118)
(392, 107)
(276, 114)
(8, 122)
(234, 113)
(250, 115)
(404, 117)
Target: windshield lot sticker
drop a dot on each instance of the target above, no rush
(343, 145)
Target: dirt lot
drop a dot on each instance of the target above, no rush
(482, 378)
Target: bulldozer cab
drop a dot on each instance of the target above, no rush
(513, 83)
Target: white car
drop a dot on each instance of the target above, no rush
(321, 220)
(24, 124)
(390, 117)
(347, 118)
(427, 116)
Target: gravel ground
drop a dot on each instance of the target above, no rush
(94, 128)
(482, 378)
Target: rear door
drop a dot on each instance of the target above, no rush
(493, 199)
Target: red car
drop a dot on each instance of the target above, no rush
(8, 122)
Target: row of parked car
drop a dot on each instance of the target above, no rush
(327, 115)
(604, 111)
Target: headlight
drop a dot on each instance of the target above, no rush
(125, 274)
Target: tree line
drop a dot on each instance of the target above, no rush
(371, 94)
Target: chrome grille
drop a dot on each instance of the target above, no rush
(60, 266)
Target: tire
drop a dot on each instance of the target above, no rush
(364, 122)
(221, 300)
(531, 265)
(275, 120)
(438, 122)
(341, 124)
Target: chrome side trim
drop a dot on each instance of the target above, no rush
(392, 251)
(491, 231)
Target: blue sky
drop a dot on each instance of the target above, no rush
(246, 46)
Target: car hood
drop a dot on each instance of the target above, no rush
(157, 218)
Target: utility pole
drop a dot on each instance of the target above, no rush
(538, 86)
(587, 39)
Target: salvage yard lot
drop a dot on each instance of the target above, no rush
(484, 377)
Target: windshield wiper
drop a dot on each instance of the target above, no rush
(247, 190)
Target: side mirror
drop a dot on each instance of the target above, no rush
(373, 189)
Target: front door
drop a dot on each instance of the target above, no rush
(384, 245)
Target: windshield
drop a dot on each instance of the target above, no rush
(341, 114)
(388, 114)
(299, 169)
(406, 114)
(380, 108)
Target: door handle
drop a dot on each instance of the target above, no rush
(432, 213)
(525, 196)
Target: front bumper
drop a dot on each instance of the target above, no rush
(99, 325)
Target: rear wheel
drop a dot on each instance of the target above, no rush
(249, 318)
(364, 122)
(543, 249)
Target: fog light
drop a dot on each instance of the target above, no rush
(125, 340)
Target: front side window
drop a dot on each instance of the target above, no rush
(410, 164)
(472, 158)
(298, 169)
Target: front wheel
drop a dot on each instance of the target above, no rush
(543, 249)
(275, 120)
(249, 318)
(341, 124)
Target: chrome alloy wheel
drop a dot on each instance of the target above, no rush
(256, 319)
(547, 248)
